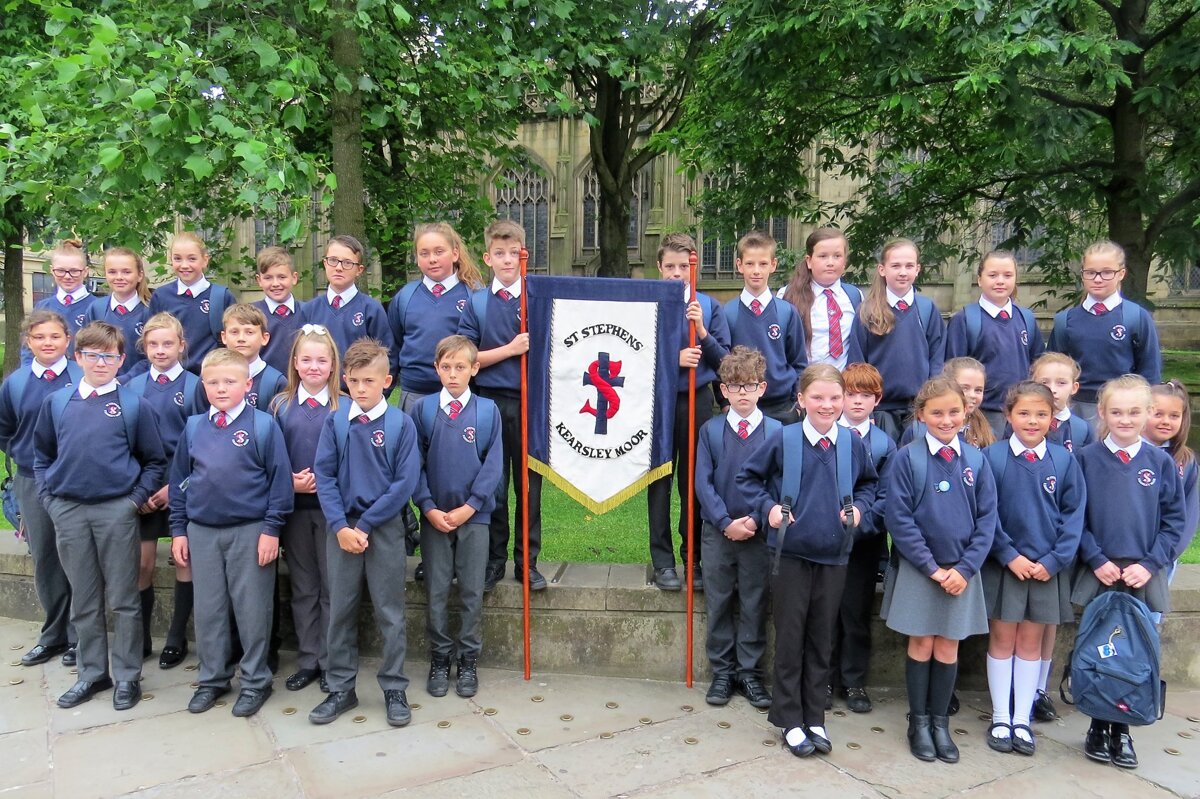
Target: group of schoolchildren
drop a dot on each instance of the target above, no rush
(117, 446)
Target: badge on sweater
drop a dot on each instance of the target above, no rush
(460, 305)
(469, 435)
(204, 306)
(377, 438)
(112, 410)
(1049, 484)
(179, 398)
(1117, 333)
(357, 320)
(241, 438)
(1025, 338)
(969, 475)
(1146, 477)
(773, 332)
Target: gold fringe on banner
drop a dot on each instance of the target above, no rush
(583, 499)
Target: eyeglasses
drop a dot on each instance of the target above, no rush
(339, 263)
(318, 329)
(67, 272)
(741, 388)
(100, 357)
(1103, 274)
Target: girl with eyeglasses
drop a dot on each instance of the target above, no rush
(71, 298)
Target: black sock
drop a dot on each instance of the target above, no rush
(941, 685)
(916, 677)
(147, 596)
(1119, 729)
(183, 612)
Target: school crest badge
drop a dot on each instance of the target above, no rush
(968, 475)
(377, 438)
(179, 398)
(1147, 477)
(252, 398)
(112, 410)
(1025, 338)
(468, 435)
(241, 438)
(1050, 484)
(79, 320)
(773, 332)
(357, 320)
(1117, 333)
(460, 305)
(139, 328)
(204, 306)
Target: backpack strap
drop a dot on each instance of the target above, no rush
(16, 384)
(425, 416)
(1027, 317)
(879, 444)
(732, 311)
(263, 438)
(1060, 458)
(973, 315)
(131, 407)
(216, 309)
(1077, 427)
(845, 465)
(341, 433)
(191, 391)
(1133, 319)
(926, 310)
(998, 458)
(1060, 323)
(403, 298)
(138, 384)
(480, 299)
(715, 436)
(854, 293)
(706, 308)
(918, 461)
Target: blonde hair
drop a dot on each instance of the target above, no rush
(452, 344)
(820, 372)
(143, 286)
(1105, 247)
(309, 334)
(246, 314)
(1135, 383)
(875, 312)
(979, 429)
(1048, 358)
(189, 237)
(270, 257)
(222, 356)
(162, 321)
(755, 239)
(468, 272)
(69, 248)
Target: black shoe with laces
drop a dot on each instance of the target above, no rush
(720, 691)
(857, 700)
(399, 714)
(466, 684)
(438, 683)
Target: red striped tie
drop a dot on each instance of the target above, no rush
(835, 324)
(67, 300)
(337, 301)
(162, 380)
(1003, 314)
(1124, 456)
(1054, 424)
(222, 420)
(311, 402)
(947, 454)
(122, 310)
(363, 419)
(824, 443)
(49, 375)
(455, 409)
(504, 295)
(902, 306)
(744, 429)
(438, 289)
(1030, 455)
(756, 307)
(1099, 309)
(282, 310)
(188, 293)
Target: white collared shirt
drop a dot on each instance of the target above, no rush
(1018, 448)
(1109, 303)
(993, 310)
(86, 389)
(172, 374)
(256, 367)
(290, 302)
(347, 295)
(1132, 450)
(935, 446)
(230, 415)
(76, 295)
(58, 366)
(379, 410)
(514, 289)
(196, 288)
(447, 284)
(818, 317)
(910, 298)
(764, 299)
(444, 399)
(755, 419)
(863, 428)
(814, 436)
(1063, 415)
(302, 395)
(130, 304)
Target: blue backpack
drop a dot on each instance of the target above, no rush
(973, 314)
(426, 415)
(714, 432)
(918, 462)
(793, 474)
(787, 316)
(263, 422)
(393, 423)
(191, 385)
(1133, 317)
(131, 405)
(1114, 673)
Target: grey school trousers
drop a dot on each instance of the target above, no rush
(462, 553)
(53, 588)
(382, 564)
(305, 536)
(225, 576)
(98, 545)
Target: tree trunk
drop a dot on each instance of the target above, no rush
(346, 124)
(614, 232)
(14, 282)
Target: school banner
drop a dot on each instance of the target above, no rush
(603, 363)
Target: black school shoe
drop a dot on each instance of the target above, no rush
(438, 683)
(172, 656)
(537, 582)
(493, 575)
(1043, 707)
(822, 744)
(667, 580)
(70, 658)
(720, 691)
(127, 694)
(40, 654)
(466, 684)
(302, 679)
(802, 749)
(1120, 749)
(943, 743)
(1096, 744)
(205, 697)
(1019, 744)
(250, 701)
(857, 700)
(755, 692)
(333, 706)
(399, 714)
(82, 691)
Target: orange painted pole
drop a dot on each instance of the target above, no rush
(525, 462)
(691, 471)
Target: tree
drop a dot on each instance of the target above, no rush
(1066, 121)
(629, 64)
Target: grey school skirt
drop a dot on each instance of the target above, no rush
(1156, 593)
(913, 604)
(1013, 600)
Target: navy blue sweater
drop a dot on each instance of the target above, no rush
(364, 488)
(172, 407)
(1104, 349)
(817, 534)
(943, 531)
(361, 317)
(302, 427)
(784, 350)
(713, 347)
(873, 522)
(500, 326)
(1006, 348)
(1135, 510)
(1040, 513)
(194, 313)
(427, 320)
(1190, 476)
(19, 418)
(75, 316)
(87, 456)
(226, 481)
(906, 357)
(283, 334)
(452, 474)
(716, 474)
(265, 385)
(130, 324)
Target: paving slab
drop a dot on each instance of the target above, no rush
(41, 790)
(255, 782)
(519, 779)
(770, 775)
(1068, 779)
(25, 758)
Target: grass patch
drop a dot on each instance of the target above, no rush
(1183, 365)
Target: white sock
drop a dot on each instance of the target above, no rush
(1025, 677)
(1045, 667)
(1000, 679)
(795, 736)
(818, 731)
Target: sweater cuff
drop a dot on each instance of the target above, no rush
(723, 523)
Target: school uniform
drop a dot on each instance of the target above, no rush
(735, 572)
(952, 527)
(265, 382)
(852, 640)
(129, 317)
(1006, 346)
(831, 320)
(350, 316)
(453, 475)
(807, 590)
(193, 307)
(92, 479)
(283, 322)
(1135, 514)
(774, 329)
(72, 308)
(713, 349)
(1040, 515)
(432, 313)
(501, 383)
(223, 528)
(306, 533)
(906, 357)
(1189, 477)
(18, 419)
(1094, 334)
(167, 393)
(1063, 432)
(362, 489)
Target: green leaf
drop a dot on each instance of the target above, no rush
(290, 228)
(331, 181)
(105, 30)
(267, 55)
(110, 157)
(152, 172)
(401, 14)
(293, 117)
(143, 99)
(199, 166)
(36, 117)
(67, 70)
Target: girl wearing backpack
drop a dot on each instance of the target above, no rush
(1000, 334)
(1132, 529)
(1040, 500)
(941, 512)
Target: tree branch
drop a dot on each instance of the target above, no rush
(1071, 102)
(1189, 195)
(1171, 28)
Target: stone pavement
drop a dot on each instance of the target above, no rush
(554, 736)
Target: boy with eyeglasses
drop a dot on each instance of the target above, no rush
(1106, 334)
(71, 298)
(98, 457)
